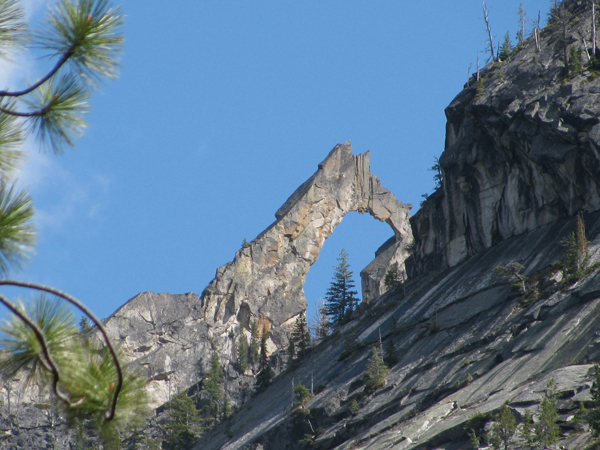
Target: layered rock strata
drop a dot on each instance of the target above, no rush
(171, 337)
(522, 150)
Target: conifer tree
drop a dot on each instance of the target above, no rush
(323, 324)
(391, 357)
(392, 277)
(506, 48)
(576, 253)
(521, 34)
(242, 353)
(254, 346)
(183, 422)
(503, 428)
(594, 414)
(301, 336)
(266, 373)
(82, 39)
(527, 429)
(376, 370)
(546, 429)
(341, 297)
(213, 387)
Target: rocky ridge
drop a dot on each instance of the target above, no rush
(521, 159)
(172, 336)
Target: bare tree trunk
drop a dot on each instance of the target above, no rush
(564, 19)
(594, 27)
(522, 20)
(585, 46)
(489, 30)
(536, 32)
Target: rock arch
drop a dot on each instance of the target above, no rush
(267, 276)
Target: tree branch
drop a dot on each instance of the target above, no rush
(110, 413)
(49, 75)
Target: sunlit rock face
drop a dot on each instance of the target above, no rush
(266, 278)
(171, 337)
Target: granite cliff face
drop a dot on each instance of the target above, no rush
(522, 158)
(172, 336)
(522, 150)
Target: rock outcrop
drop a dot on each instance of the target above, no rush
(171, 336)
(266, 278)
(466, 343)
(522, 150)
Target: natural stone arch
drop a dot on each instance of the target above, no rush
(267, 276)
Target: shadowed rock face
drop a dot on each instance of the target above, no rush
(167, 335)
(520, 152)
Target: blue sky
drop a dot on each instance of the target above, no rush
(222, 110)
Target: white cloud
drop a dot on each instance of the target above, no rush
(60, 196)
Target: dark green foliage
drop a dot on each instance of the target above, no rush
(527, 429)
(475, 429)
(376, 370)
(300, 339)
(512, 274)
(575, 61)
(254, 346)
(575, 256)
(323, 323)
(506, 48)
(437, 177)
(391, 357)
(503, 428)
(84, 326)
(546, 429)
(242, 353)
(266, 373)
(341, 297)
(480, 88)
(182, 426)
(393, 277)
(354, 408)
(212, 388)
(245, 244)
(301, 395)
(594, 414)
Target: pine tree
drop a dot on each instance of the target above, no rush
(341, 297)
(506, 48)
(576, 252)
(522, 21)
(242, 353)
(254, 347)
(213, 387)
(391, 357)
(504, 428)
(183, 422)
(527, 429)
(301, 336)
(594, 414)
(392, 277)
(546, 429)
(323, 324)
(301, 395)
(83, 39)
(376, 370)
(265, 373)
